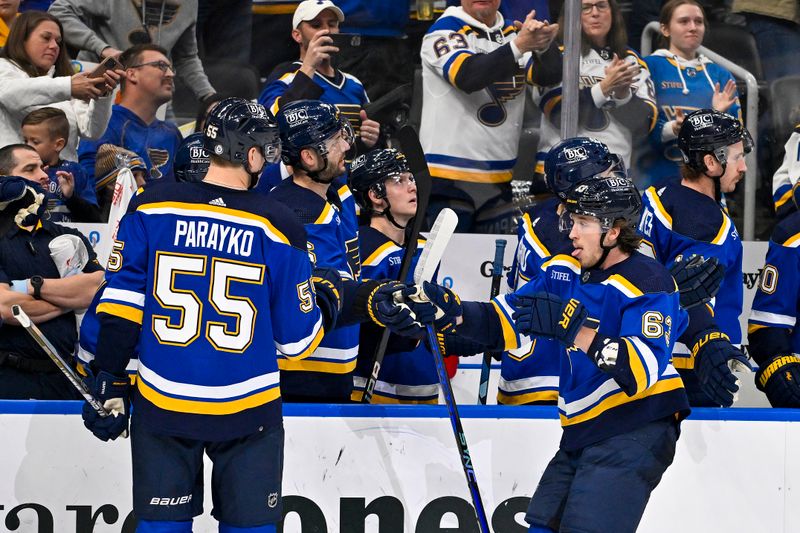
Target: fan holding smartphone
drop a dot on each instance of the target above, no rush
(99, 73)
(315, 77)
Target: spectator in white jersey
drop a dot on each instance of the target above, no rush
(616, 98)
(473, 82)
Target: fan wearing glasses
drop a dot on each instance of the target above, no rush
(148, 84)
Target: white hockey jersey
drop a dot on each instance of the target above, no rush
(597, 117)
(469, 136)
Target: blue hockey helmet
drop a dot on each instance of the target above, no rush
(576, 159)
(371, 170)
(606, 198)
(235, 125)
(192, 159)
(707, 131)
(308, 124)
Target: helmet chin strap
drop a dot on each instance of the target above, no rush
(388, 214)
(606, 250)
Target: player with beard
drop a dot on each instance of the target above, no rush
(681, 219)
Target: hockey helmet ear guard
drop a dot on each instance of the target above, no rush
(371, 170)
(607, 199)
(707, 131)
(576, 159)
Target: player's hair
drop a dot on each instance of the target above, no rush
(21, 30)
(133, 55)
(54, 118)
(617, 38)
(691, 174)
(668, 10)
(222, 162)
(629, 239)
(7, 159)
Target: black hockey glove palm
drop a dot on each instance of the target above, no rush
(113, 392)
(698, 279)
(715, 360)
(447, 305)
(546, 315)
(779, 379)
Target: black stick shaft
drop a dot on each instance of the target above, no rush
(497, 276)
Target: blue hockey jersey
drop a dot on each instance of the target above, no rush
(677, 220)
(679, 85)
(56, 203)
(328, 371)
(407, 375)
(156, 143)
(777, 300)
(530, 374)
(219, 281)
(635, 300)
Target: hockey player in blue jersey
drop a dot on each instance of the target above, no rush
(620, 399)
(315, 139)
(772, 334)
(686, 218)
(387, 194)
(530, 375)
(220, 279)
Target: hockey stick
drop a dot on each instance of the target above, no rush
(497, 274)
(73, 377)
(440, 235)
(409, 142)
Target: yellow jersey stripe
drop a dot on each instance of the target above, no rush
(620, 398)
(471, 176)
(778, 203)
(548, 107)
(317, 366)
(509, 335)
(752, 328)
(521, 399)
(207, 408)
(127, 312)
(563, 260)
(542, 249)
(308, 351)
(653, 120)
(455, 67)
(623, 285)
(324, 216)
(722, 234)
(793, 241)
(378, 254)
(637, 366)
(660, 212)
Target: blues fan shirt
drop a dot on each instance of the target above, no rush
(219, 281)
(635, 300)
(57, 205)
(408, 374)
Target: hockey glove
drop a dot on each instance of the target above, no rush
(698, 279)
(715, 360)
(779, 379)
(328, 289)
(446, 302)
(385, 308)
(546, 315)
(113, 391)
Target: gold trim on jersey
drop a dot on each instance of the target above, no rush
(528, 397)
(200, 407)
(623, 285)
(722, 234)
(327, 367)
(379, 254)
(473, 176)
(127, 312)
(509, 335)
(660, 212)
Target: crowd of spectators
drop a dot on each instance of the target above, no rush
(488, 72)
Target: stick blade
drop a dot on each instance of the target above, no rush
(439, 237)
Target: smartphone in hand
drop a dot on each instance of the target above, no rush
(345, 40)
(109, 63)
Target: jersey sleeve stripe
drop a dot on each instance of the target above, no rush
(782, 195)
(530, 236)
(312, 365)
(275, 107)
(637, 366)
(216, 213)
(654, 118)
(438, 171)
(122, 295)
(793, 241)
(623, 285)
(344, 193)
(304, 347)
(658, 208)
(453, 65)
(380, 254)
(722, 234)
(207, 408)
(504, 313)
(648, 359)
(772, 319)
(326, 215)
(127, 312)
